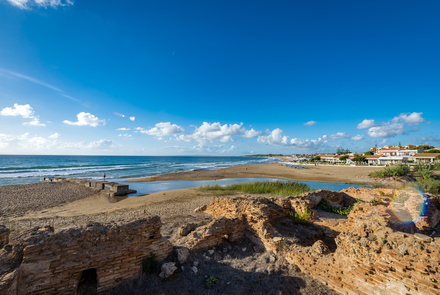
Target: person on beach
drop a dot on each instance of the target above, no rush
(104, 176)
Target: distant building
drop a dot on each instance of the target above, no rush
(425, 157)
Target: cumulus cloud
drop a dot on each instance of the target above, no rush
(366, 124)
(25, 4)
(387, 130)
(216, 132)
(394, 127)
(358, 137)
(55, 135)
(277, 138)
(123, 129)
(18, 110)
(340, 135)
(163, 129)
(310, 123)
(24, 111)
(409, 118)
(86, 119)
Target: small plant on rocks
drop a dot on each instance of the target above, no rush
(211, 281)
(300, 217)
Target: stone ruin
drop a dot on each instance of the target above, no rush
(112, 189)
(41, 261)
(370, 252)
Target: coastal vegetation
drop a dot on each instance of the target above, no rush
(278, 188)
(342, 211)
(423, 175)
(392, 171)
(300, 217)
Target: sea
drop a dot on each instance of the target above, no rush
(21, 169)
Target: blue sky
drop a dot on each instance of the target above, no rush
(217, 77)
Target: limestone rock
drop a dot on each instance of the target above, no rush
(182, 254)
(167, 270)
(319, 247)
(187, 228)
(200, 209)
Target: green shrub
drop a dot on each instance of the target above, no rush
(429, 185)
(396, 170)
(149, 263)
(300, 217)
(342, 211)
(211, 281)
(425, 173)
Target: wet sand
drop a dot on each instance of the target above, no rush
(319, 173)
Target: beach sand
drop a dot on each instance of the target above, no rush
(319, 173)
(49, 200)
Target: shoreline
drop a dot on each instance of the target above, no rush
(320, 173)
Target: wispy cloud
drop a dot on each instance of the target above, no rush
(358, 137)
(310, 123)
(11, 74)
(340, 135)
(26, 4)
(30, 79)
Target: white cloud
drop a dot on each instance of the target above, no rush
(366, 124)
(409, 118)
(55, 135)
(86, 119)
(358, 137)
(340, 135)
(123, 129)
(394, 127)
(24, 4)
(18, 110)
(24, 111)
(277, 138)
(310, 123)
(232, 148)
(101, 144)
(163, 129)
(216, 132)
(387, 130)
(34, 122)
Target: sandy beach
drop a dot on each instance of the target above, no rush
(320, 173)
(67, 200)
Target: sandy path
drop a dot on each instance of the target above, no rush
(177, 202)
(320, 173)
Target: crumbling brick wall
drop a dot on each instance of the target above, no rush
(48, 262)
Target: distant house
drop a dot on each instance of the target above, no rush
(372, 159)
(409, 147)
(425, 157)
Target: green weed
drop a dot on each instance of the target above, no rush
(211, 281)
(300, 217)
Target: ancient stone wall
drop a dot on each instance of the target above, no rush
(41, 261)
(369, 256)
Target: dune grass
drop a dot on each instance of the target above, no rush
(279, 188)
(396, 170)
